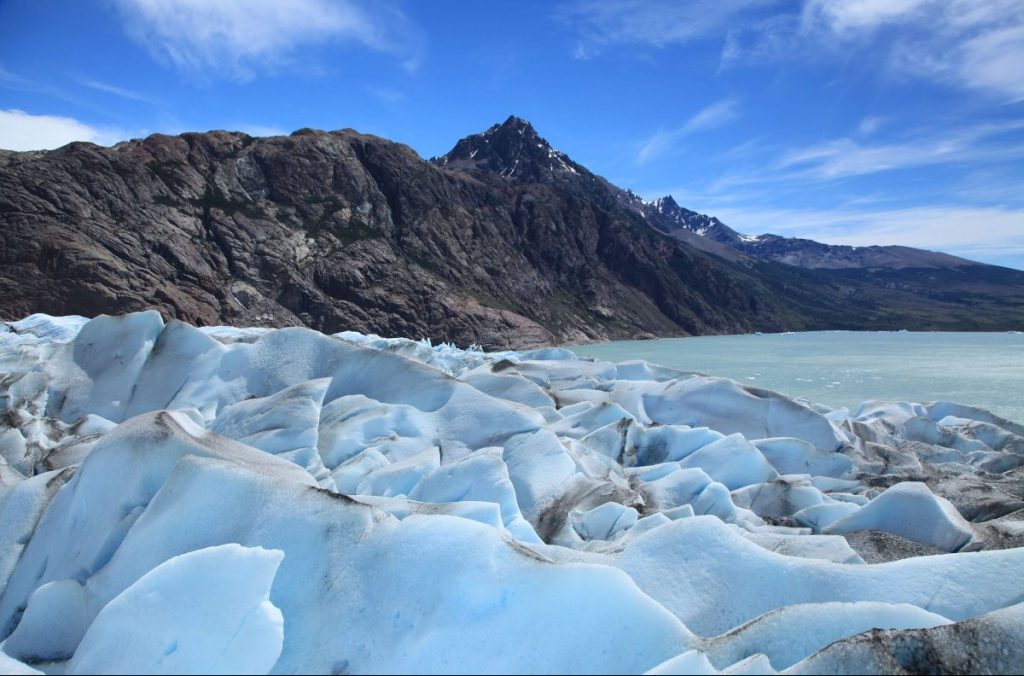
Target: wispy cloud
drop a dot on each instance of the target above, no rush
(762, 41)
(972, 232)
(10, 80)
(22, 131)
(773, 167)
(870, 124)
(849, 17)
(846, 157)
(121, 92)
(962, 43)
(716, 115)
(240, 38)
(386, 94)
(656, 23)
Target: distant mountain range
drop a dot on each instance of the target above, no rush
(672, 219)
(504, 241)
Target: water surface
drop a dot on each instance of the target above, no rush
(844, 368)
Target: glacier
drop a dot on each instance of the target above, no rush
(177, 499)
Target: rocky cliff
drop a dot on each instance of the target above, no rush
(504, 242)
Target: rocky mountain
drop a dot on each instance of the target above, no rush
(514, 151)
(666, 215)
(504, 242)
(807, 253)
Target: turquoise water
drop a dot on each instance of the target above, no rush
(844, 368)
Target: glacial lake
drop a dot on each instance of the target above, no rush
(844, 368)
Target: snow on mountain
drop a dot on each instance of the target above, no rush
(516, 152)
(666, 215)
(177, 500)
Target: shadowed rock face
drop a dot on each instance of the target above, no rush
(504, 242)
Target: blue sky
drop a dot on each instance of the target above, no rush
(847, 121)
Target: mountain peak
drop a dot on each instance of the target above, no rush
(666, 205)
(516, 124)
(514, 151)
(665, 214)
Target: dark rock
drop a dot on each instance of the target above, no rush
(990, 644)
(875, 546)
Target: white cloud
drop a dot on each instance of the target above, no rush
(21, 131)
(971, 232)
(870, 124)
(845, 157)
(963, 43)
(716, 115)
(121, 92)
(973, 44)
(656, 23)
(762, 41)
(239, 38)
(847, 17)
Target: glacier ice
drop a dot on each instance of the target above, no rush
(186, 500)
(207, 611)
(910, 510)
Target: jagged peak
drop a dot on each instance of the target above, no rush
(512, 149)
(516, 124)
(666, 215)
(665, 204)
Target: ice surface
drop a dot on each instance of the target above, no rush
(790, 634)
(728, 407)
(912, 511)
(732, 461)
(86, 523)
(9, 665)
(53, 624)
(690, 662)
(989, 644)
(204, 612)
(714, 579)
(795, 456)
(221, 499)
(604, 522)
(20, 510)
(41, 328)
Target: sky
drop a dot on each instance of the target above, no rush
(846, 121)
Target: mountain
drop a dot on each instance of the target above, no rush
(666, 215)
(343, 231)
(919, 288)
(514, 151)
(504, 242)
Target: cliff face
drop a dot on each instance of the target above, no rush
(504, 242)
(342, 231)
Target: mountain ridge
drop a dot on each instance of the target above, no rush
(514, 245)
(667, 216)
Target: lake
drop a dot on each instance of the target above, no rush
(844, 368)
